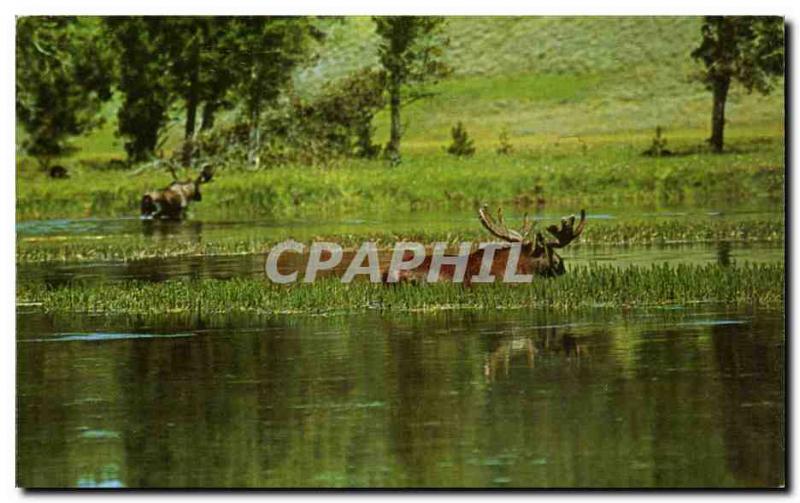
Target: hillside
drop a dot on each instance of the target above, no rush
(555, 76)
(545, 80)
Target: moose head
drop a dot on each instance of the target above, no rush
(538, 255)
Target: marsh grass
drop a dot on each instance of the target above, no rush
(582, 287)
(247, 240)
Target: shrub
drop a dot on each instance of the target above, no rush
(340, 120)
(504, 148)
(462, 145)
(336, 124)
(659, 146)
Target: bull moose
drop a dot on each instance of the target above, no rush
(172, 202)
(538, 256)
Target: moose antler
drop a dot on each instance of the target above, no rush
(568, 231)
(527, 225)
(499, 228)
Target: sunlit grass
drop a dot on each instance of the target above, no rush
(568, 172)
(579, 97)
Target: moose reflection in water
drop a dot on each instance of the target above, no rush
(537, 256)
(527, 348)
(657, 400)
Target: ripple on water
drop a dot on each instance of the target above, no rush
(99, 434)
(711, 323)
(103, 336)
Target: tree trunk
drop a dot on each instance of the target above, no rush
(720, 90)
(255, 137)
(393, 147)
(254, 101)
(192, 102)
(209, 110)
(188, 136)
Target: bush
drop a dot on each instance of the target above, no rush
(504, 148)
(462, 145)
(336, 124)
(659, 146)
(340, 120)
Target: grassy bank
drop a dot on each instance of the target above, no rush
(597, 174)
(583, 287)
(579, 98)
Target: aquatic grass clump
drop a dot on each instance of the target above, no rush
(582, 287)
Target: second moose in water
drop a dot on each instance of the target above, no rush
(537, 254)
(172, 202)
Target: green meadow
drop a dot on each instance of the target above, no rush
(580, 103)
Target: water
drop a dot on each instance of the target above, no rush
(662, 397)
(668, 397)
(95, 234)
(421, 220)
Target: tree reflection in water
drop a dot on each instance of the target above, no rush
(486, 399)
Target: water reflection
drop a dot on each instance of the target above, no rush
(724, 253)
(458, 399)
(752, 410)
(546, 342)
(190, 230)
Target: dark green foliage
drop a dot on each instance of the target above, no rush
(336, 124)
(142, 82)
(410, 52)
(202, 65)
(659, 146)
(197, 49)
(63, 76)
(504, 147)
(223, 145)
(263, 53)
(747, 49)
(341, 118)
(462, 145)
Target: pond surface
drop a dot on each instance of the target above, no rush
(92, 234)
(670, 397)
(400, 223)
(662, 397)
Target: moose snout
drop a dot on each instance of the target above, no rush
(148, 207)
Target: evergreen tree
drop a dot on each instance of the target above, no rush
(142, 67)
